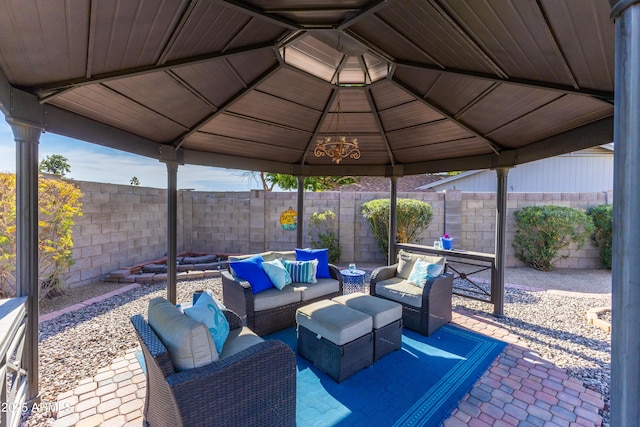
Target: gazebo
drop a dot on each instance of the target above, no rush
(358, 87)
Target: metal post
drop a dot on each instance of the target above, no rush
(27, 139)
(393, 224)
(625, 331)
(300, 210)
(497, 271)
(172, 231)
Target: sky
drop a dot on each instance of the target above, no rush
(91, 162)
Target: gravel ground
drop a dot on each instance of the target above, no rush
(75, 345)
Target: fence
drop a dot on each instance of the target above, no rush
(126, 225)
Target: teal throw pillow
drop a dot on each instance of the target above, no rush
(207, 310)
(277, 273)
(322, 255)
(423, 271)
(250, 269)
(301, 271)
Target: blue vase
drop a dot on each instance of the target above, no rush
(446, 243)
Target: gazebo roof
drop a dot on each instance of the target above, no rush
(424, 86)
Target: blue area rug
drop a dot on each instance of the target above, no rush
(418, 385)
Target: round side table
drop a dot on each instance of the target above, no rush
(352, 281)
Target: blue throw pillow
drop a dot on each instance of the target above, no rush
(250, 269)
(301, 271)
(322, 255)
(423, 271)
(207, 311)
(277, 272)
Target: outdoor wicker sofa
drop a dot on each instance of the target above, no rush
(425, 309)
(253, 383)
(273, 309)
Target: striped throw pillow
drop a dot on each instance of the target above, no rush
(301, 271)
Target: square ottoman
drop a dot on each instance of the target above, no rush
(335, 338)
(387, 320)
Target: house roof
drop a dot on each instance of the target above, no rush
(381, 184)
(425, 86)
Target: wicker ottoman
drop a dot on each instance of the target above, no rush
(387, 320)
(335, 338)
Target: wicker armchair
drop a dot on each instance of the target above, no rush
(424, 312)
(254, 387)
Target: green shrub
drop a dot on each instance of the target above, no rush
(602, 217)
(322, 232)
(412, 218)
(542, 231)
(58, 204)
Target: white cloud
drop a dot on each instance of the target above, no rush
(91, 162)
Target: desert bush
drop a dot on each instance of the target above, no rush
(412, 218)
(322, 231)
(58, 204)
(602, 217)
(542, 231)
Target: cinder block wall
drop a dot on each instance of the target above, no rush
(125, 225)
(120, 226)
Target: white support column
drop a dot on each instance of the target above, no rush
(27, 138)
(625, 333)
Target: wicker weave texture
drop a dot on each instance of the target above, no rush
(339, 362)
(254, 387)
(436, 301)
(387, 339)
(238, 297)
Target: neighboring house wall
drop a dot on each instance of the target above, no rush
(124, 225)
(580, 172)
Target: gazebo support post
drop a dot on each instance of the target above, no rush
(172, 230)
(393, 223)
(27, 138)
(300, 210)
(625, 331)
(497, 282)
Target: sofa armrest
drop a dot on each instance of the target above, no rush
(335, 274)
(380, 274)
(438, 290)
(260, 379)
(234, 320)
(237, 295)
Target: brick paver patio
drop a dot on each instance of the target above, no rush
(519, 389)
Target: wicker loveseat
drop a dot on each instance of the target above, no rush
(252, 382)
(425, 309)
(273, 309)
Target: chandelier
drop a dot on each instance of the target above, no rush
(337, 146)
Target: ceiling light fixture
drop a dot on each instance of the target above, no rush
(335, 145)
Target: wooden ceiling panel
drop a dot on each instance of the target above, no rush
(105, 105)
(565, 113)
(439, 151)
(297, 87)
(252, 150)
(246, 129)
(174, 100)
(264, 107)
(432, 133)
(504, 104)
(407, 115)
